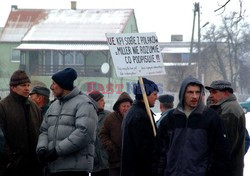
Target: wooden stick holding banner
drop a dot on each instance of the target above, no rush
(136, 54)
(145, 99)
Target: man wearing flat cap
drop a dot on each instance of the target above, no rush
(68, 130)
(225, 103)
(40, 96)
(20, 120)
(166, 104)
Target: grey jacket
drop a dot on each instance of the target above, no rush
(69, 126)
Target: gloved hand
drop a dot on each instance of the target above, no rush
(51, 155)
(41, 155)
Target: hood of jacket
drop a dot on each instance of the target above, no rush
(122, 98)
(187, 81)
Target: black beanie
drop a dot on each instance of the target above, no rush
(96, 95)
(149, 87)
(65, 78)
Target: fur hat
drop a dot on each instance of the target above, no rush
(19, 77)
(96, 95)
(65, 78)
(149, 87)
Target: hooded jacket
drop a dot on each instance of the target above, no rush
(69, 126)
(110, 134)
(234, 119)
(193, 146)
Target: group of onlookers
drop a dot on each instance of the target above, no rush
(75, 135)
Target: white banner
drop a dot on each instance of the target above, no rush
(135, 54)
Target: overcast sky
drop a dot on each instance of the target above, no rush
(165, 17)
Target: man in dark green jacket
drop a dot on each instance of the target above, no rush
(225, 103)
(20, 120)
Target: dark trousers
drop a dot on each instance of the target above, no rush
(104, 172)
(70, 173)
(115, 171)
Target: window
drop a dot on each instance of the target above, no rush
(47, 56)
(15, 55)
(56, 58)
(74, 58)
(69, 58)
(185, 57)
(79, 60)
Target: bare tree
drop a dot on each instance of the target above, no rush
(222, 7)
(226, 47)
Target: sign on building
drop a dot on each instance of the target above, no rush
(135, 54)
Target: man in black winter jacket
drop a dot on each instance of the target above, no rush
(191, 141)
(138, 137)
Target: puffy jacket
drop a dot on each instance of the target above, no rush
(69, 126)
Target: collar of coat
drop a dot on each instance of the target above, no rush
(19, 98)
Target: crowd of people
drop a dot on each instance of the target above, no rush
(74, 135)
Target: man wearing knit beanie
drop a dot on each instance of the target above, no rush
(65, 78)
(101, 157)
(70, 121)
(138, 136)
(149, 87)
(20, 120)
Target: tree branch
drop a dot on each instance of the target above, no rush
(223, 6)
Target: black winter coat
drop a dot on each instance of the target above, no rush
(193, 146)
(137, 142)
(20, 120)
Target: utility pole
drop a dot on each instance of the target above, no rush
(199, 46)
(199, 63)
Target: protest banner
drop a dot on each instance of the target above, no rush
(136, 54)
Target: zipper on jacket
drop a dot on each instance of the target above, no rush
(56, 125)
(55, 132)
(180, 159)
